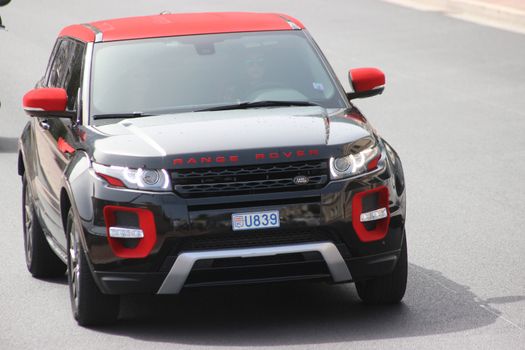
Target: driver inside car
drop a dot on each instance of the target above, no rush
(250, 77)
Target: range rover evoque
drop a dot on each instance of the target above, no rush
(179, 150)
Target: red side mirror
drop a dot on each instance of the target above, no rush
(366, 82)
(41, 101)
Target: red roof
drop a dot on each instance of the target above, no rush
(180, 24)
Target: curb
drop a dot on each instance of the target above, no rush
(485, 12)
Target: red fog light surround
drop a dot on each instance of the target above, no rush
(381, 228)
(146, 224)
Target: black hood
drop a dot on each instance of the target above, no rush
(224, 137)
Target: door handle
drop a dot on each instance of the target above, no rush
(44, 124)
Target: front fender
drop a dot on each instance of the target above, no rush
(77, 191)
(399, 175)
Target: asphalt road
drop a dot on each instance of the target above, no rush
(454, 108)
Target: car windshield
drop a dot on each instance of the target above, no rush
(199, 72)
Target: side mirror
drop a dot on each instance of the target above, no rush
(366, 82)
(47, 102)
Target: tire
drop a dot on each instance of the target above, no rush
(41, 261)
(388, 289)
(89, 305)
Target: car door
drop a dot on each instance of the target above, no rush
(55, 137)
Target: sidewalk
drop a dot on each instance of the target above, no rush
(505, 14)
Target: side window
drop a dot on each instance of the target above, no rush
(66, 68)
(74, 74)
(57, 71)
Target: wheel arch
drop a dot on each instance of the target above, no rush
(21, 165)
(24, 144)
(65, 205)
(76, 190)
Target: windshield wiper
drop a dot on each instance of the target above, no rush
(121, 115)
(257, 104)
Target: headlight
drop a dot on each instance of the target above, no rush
(139, 179)
(355, 164)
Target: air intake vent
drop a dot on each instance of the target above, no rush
(250, 179)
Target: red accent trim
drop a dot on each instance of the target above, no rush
(381, 228)
(78, 31)
(366, 79)
(64, 147)
(146, 223)
(191, 24)
(113, 181)
(46, 99)
(235, 158)
(373, 163)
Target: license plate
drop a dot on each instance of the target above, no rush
(256, 220)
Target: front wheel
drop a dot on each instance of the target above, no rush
(41, 261)
(388, 289)
(90, 306)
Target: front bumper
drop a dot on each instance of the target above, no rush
(185, 262)
(195, 245)
(339, 270)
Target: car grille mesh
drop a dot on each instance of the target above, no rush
(263, 238)
(257, 239)
(249, 179)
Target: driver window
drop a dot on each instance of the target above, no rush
(65, 71)
(57, 71)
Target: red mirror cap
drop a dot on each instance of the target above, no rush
(366, 79)
(46, 100)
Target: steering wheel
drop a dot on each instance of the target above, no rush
(266, 87)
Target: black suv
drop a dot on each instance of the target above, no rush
(172, 151)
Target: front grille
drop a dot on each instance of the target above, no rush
(252, 239)
(310, 265)
(249, 179)
(257, 239)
